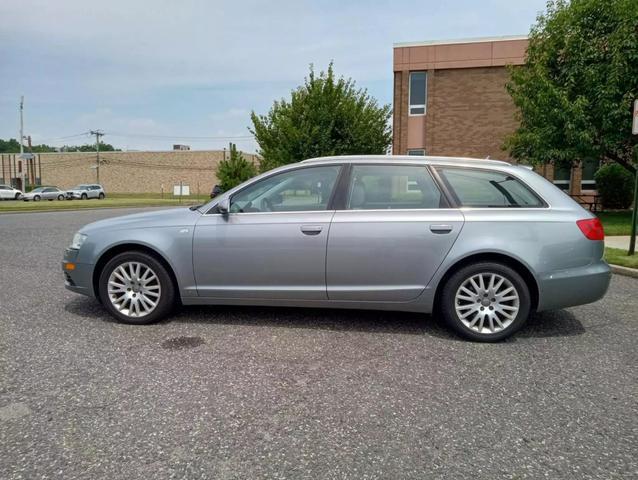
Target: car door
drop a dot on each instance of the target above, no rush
(272, 242)
(49, 194)
(392, 235)
(93, 191)
(4, 192)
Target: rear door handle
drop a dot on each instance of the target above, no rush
(311, 229)
(440, 228)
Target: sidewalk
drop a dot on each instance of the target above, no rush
(619, 241)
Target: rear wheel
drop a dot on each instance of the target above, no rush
(101, 196)
(486, 302)
(136, 288)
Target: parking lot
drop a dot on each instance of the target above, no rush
(229, 392)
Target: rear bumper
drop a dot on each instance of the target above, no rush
(80, 279)
(575, 286)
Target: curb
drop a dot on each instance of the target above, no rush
(58, 210)
(626, 271)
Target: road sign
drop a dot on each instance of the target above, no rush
(634, 127)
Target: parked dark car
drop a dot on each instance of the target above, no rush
(217, 190)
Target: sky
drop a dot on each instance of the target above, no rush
(150, 73)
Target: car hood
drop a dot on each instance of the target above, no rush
(174, 217)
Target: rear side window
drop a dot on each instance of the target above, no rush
(382, 187)
(488, 189)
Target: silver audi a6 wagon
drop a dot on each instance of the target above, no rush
(481, 242)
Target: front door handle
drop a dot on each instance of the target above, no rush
(311, 229)
(440, 228)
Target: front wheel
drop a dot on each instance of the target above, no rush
(60, 197)
(136, 288)
(486, 302)
(17, 197)
(36, 198)
(84, 196)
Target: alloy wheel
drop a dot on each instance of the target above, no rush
(487, 303)
(134, 289)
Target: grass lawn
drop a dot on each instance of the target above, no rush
(616, 223)
(112, 201)
(619, 256)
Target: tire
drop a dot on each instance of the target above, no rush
(36, 198)
(84, 196)
(60, 197)
(160, 289)
(101, 196)
(477, 315)
(17, 197)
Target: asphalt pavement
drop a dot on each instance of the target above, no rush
(249, 393)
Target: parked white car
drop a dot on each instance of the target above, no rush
(86, 191)
(9, 193)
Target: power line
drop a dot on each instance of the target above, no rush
(64, 138)
(178, 137)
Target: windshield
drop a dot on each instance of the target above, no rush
(80, 187)
(40, 189)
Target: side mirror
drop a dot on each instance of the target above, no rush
(224, 206)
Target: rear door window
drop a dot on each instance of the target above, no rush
(488, 189)
(383, 187)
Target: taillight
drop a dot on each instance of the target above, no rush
(592, 228)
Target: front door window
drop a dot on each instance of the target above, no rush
(301, 190)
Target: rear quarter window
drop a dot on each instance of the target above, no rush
(488, 189)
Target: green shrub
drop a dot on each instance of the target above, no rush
(235, 170)
(615, 184)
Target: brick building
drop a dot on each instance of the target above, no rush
(120, 172)
(450, 99)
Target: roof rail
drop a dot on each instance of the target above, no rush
(406, 157)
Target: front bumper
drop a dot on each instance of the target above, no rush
(80, 279)
(73, 195)
(574, 286)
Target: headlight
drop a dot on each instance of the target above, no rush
(78, 240)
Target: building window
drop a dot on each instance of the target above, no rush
(562, 177)
(417, 152)
(418, 92)
(589, 170)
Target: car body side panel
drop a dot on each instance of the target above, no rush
(546, 241)
(172, 238)
(387, 255)
(262, 255)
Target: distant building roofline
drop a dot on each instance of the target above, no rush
(503, 38)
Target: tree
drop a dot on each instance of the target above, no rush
(324, 116)
(235, 170)
(104, 147)
(575, 91)
(9, 146)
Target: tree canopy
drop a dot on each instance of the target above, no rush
(324, 116)
(235, 170)
(576, 90)
(13, 146)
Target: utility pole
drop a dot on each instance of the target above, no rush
(634, 215)
(97, 134)
(21, 124)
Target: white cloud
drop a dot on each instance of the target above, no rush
(199, 66)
